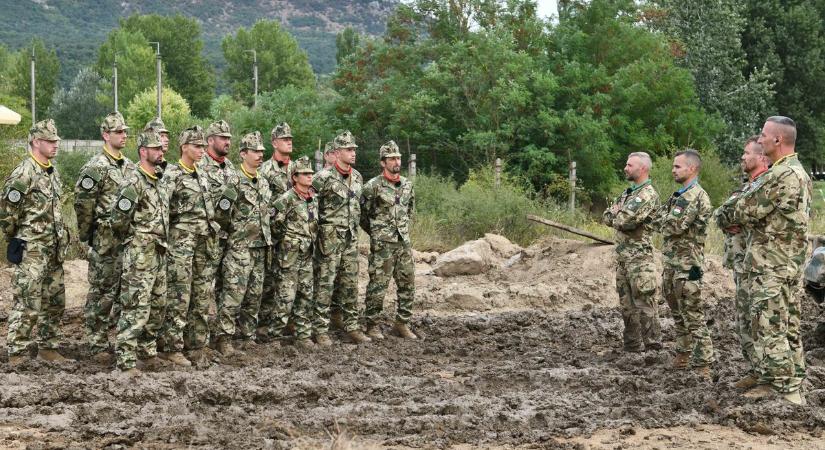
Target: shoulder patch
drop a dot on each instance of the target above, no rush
(14, 195)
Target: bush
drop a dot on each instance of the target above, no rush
(143, 108)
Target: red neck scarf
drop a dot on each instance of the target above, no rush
(754, 176)
(218, 159)
(283, 160)
(304, 195)
(392, 178)
(342, 171)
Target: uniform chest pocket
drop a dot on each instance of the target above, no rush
(388, 198)
(341, 190)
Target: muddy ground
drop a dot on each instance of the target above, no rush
(531, 359)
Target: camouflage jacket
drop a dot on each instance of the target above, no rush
(295, 224)
(683, 221)
(223, 181)
(387, 209)
(251, 213)
(338, 199)
(97, 189)
(142, 209)
(31, 206)
(276, 176)
(635, 210)
(776, 211)
(190, 204)
(735, 243)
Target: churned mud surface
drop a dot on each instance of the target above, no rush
(530, 373)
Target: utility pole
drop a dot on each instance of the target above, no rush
(34, 118)
(254, 76)
(114, 80)
(157, 69)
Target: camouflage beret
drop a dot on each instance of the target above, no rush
(301, 165)
(192, 135)
(329, 148)
(344, 140)
(219, 128)
(45, 130)
(149, 139)
(389, 150)
(281, 130)
(113, 122)
(252, 141)
(157, 125)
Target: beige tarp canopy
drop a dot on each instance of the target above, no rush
(8, 117)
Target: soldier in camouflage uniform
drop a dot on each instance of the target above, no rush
(247, 250)
(32, 224)
(329, 155)
(275, 171)
(295, 228)
(776, 211)
(141, 214)
(95, 194)
(683, 222)
(157, 126)
(754, 164)
(387, 209)
(336, 255)
(191, 267)
(631, 215)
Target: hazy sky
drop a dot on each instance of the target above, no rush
(546, 7)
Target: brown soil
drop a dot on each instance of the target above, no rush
(524, 356)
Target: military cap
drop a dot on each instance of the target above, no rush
(389, 150)
(45, 130)
(192, 135)
(281, 130)
(301, 165)
(149, 139)
(344, 140)
(219, 128)
(113, 122)
(329, 148)
(252, 141)
(157, 125)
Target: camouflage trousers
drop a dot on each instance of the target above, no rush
(336, 276)
(744, 321)
(390, 260)
(684, 297)
(190, 273)
(294, 286)
(142, 300)
(775, 307)
(39, 298)
(636, 285)
(269, 294)
(105, 268)
(240, 299)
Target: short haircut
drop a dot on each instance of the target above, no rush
(692, 157)
(788, 128)
(644, 157)
(754, 140)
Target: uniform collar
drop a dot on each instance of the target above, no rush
(783, 159)
(635, 187)
(682, 190)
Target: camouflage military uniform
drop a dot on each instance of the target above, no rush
(191, 267)
(683, 221)
(247, 251)
(776, 212)
(295, 228)
(387, 209)
(336, 253)
(30, 210)
(141, 214)
(632, 218)
(95, 193)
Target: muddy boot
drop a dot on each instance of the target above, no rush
(289, 330)
(198, 358)
(224, 346)
(176, 358)
(52, 356)
(262, 334)
(16, 360)
(404, 331)
(653, 347)
(374, 332)
(247, 344)
(795, 397)
(680, 362)
(336, 321)
(703, 371)
(103, 358)
(151, 363)
(358, 337)
(323, 340)
(747, 382)
(760, 391)
(304, 345)
(133, 372)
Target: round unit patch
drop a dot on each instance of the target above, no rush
(87, 183)
(14, 196)
(224, 204)
(124, 204)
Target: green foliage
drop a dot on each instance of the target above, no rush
(181, 47)
(68, 165)
(716, 178)
(135, 61)
(47, 71)
(175, 110)
(224, 106)
(345, 43)
(79, 110)
(280, 61)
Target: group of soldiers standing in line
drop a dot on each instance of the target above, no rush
(273, 245)
(765, 222)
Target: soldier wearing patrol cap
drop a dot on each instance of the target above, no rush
(141, 214)
(295, 228)
(329, 155)
(32, 224)
(387, 208)
(191, 267)
(157, 126)
(95, 193)
(275, 171)
(247, 250)
(336, 254)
